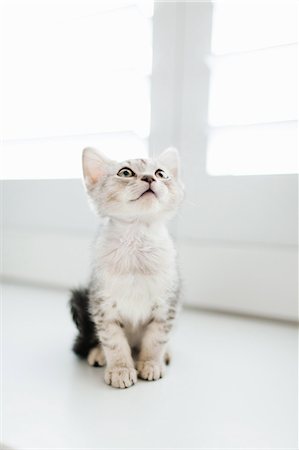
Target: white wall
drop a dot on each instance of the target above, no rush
(48, 228)
(237, 236)
(47, 205)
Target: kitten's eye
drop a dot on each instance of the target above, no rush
(125, 172)
(161, 174)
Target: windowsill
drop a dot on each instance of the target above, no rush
(232, 382)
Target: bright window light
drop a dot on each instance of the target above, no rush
(253, 89)
(240, 26)
(74, 70)
(254, 150)
(41, 158)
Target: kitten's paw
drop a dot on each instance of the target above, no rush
(150, 370)
(96, 357)
(121, 377)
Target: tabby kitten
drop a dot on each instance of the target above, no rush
(130, 305)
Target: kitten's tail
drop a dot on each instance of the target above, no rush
(86, 338)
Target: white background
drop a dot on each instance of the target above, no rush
(218, 81)
(237, 235)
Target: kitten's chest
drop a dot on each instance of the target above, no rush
(137, 297)
(137, 255)
(136, 274)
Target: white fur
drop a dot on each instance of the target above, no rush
(134, 285)
(134, 292)
(96, 355)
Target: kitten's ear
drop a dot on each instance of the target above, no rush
(171, 160)
(95, 166)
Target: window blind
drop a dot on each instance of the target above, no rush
(253, 89)
(75, 74)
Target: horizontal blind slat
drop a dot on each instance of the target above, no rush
(241, 25)
(110, 103)
(55, 158)
(254, 87)
(253, 150)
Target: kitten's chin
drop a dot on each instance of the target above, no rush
(146, 195)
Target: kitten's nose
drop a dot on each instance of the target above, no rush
(148, 178)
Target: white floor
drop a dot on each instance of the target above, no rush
(232, 384)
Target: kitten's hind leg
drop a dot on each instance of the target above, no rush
(96, 357)
(86, 342)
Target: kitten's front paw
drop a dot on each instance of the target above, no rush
(120, 377)
(150, 370)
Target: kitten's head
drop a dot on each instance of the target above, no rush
(144, 189)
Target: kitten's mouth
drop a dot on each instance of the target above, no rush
(147, 192)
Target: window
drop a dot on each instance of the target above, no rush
(76, 74)
(253, 101)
